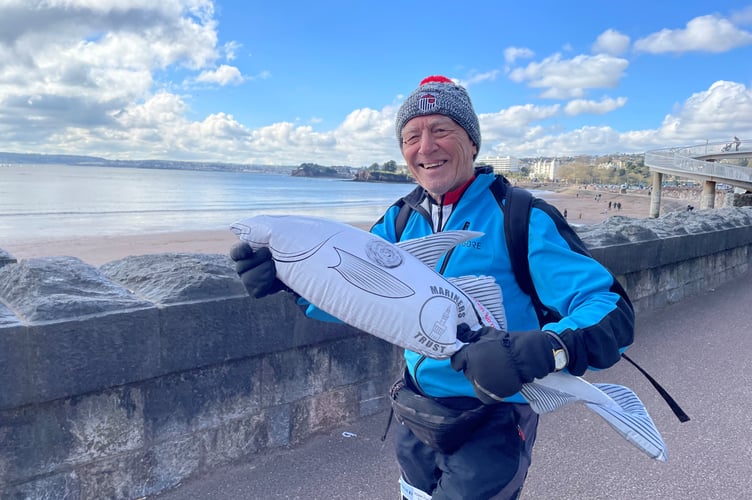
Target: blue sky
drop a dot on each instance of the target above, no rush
(284, 83)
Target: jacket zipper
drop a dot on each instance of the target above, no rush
(441, 271)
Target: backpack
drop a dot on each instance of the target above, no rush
(516, 204)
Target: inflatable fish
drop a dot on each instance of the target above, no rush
(392, 291)
(388, 290)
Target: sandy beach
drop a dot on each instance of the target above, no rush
(580, 204)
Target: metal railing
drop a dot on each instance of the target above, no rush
(699, 162)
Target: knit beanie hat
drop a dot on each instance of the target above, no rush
(438, 95)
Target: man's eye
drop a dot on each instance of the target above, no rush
(411, 140)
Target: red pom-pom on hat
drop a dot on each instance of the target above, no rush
(436, 79)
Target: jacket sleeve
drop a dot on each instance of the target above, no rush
(596, 317)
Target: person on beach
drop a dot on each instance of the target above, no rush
(592, 321)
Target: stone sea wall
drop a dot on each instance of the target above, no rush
(124, 380)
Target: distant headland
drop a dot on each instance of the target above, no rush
(387, 172)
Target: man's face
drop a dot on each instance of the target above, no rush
(438, 152)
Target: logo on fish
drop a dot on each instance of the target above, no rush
(383, 254)
(438, 319)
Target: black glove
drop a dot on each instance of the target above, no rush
(498, 362)
(256, 270)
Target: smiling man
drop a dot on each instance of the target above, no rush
(467, 430)
(475, 394)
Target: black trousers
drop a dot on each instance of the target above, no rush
(492, 463)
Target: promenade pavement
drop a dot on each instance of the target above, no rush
(698, 349)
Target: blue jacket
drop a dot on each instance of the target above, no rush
(596, 316)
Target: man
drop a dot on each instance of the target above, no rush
(439, 137)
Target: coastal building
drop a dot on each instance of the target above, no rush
(501, 164)
(545, 169)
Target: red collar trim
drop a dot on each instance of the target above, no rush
(451, 197)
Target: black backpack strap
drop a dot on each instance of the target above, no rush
(683, 417)
(516, 204)
(401, 221)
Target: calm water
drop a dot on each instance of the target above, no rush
(66, 201)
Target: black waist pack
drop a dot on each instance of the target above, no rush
(441, 427)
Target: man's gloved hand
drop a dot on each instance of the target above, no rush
(256, 270)
(497, 363)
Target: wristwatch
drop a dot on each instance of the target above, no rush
(561, 356)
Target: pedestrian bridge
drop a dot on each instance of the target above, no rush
(707, 163)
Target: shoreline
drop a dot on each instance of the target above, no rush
(579, 202)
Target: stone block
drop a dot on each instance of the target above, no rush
(171, 462)
(54, 487)
(60, 288)
(179, 404)
(355, 359)
(288, 326)
(323, 411)
(6, 258)
(307, 332)
(15, 370)
(7, 317)
(292, 375)
(237, 440)
(43, 439)
(205, 333)
(170, 278)
(120, 477)
(78, 356)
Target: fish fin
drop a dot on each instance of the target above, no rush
(619, 406)
(370, 278)
(631, 420)
(429, 249)
(485, 290)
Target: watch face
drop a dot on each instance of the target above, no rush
(560, 359)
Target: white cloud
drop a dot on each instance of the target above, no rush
(567, 78)
(224, 75)
(517, 117)
(611, 42)
(722, 108)
(476, 78)
(230, 48)
(511, 54)
(583, 106)
(718, 113)
(512, 124)
(703, 34)
(88, 65)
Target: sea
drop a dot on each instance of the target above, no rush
(65, 201)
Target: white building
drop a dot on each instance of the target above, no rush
(501, 164)
(545, 169)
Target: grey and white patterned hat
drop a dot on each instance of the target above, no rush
(438, 95)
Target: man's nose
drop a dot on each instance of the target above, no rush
(427, 141)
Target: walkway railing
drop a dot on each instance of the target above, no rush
(701, 163)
